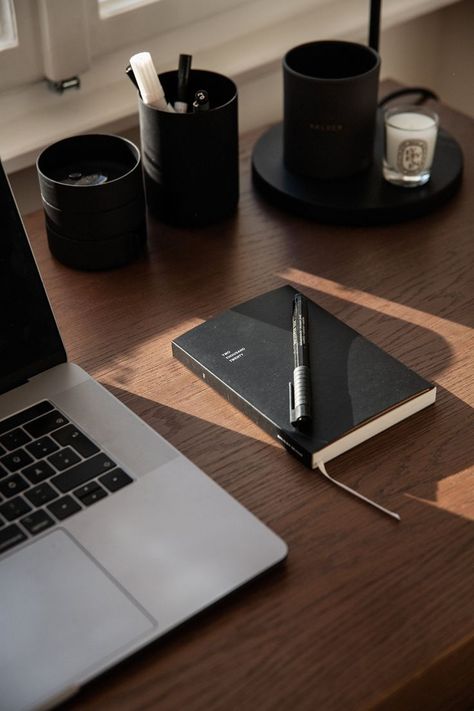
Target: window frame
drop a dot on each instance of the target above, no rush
(8, 28)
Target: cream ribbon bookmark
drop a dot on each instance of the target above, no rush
(323, 471)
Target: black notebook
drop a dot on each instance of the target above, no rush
(358, 390)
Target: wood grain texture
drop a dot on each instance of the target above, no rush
(366, 613)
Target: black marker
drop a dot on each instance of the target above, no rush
(300, 388)
(131, 76)
(201, 100)
(184, 68)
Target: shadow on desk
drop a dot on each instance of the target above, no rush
(146, 318)
(403, 464)
(420, 263)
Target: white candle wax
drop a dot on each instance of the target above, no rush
(410, 141)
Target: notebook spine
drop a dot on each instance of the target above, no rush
(221, 387)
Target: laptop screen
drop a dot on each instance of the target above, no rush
(29, 338)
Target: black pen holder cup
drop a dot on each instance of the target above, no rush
(191, 160)
(93, 199)
(330, 106)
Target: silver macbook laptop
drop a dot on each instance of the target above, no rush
(109, 537)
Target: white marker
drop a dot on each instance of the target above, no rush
(148, 83)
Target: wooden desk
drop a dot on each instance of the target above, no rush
(366, 613)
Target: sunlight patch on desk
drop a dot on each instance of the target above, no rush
(452, 332)
(224, 416)
(120, 369)
(376, 303)
(446, 497)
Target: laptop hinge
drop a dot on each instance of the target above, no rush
(12, 384)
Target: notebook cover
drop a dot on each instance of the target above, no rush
(246, 354)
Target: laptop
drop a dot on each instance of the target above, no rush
(109, 537)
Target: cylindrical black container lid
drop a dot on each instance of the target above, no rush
(106, 156)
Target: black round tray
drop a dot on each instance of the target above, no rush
(362, 199)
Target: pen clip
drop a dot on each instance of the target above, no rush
(300, 422)
(291, 400)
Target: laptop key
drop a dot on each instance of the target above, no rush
(15, 438)
(38, 472)
(86, 489)
(46, 424)
(20, 418)
(71, 436)
(16, 460)
(95, 495)
(63, 507)
(41, 494)
(11, 536)
(37, 521)
(82, 473)
(13, 485)
(14, 508)
(64, 459)
(3, 472)
(42, 447)
(115, 480)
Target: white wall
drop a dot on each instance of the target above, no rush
(454, 67)
(436, 51)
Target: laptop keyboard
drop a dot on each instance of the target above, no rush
(49, 470)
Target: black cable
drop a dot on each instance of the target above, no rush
(424, 95)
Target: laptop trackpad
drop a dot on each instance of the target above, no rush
(60, 616)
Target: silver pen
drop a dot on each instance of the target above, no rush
(300, 388)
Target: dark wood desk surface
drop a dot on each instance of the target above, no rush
(365, 612)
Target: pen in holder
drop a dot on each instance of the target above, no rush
(190, 160)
